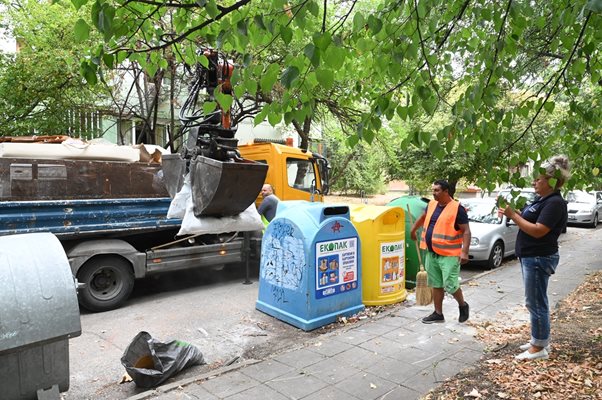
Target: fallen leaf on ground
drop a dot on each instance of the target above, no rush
(125, 378)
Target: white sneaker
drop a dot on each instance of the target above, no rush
(540, 355)
(527, 346)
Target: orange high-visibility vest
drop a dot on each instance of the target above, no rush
(446, 240)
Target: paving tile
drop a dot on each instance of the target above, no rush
(181, 395)
(331, 371)
(329, 347)
(266, 370)
(393, 370)
(402, 336)
(375, 327)
(381, 345)
(296, 384)
(419, 357)
(228, 384)
(421, 382)
(467, 356)
(262, 392)
(357, 357)
(331, 393)
(434, 375)
(401, 393)
(394, 319)
(416, 313)
(299, 358)
(197, 391)
(354, 337)
(366, 386)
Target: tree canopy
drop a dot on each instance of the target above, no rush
(496, 68)
(40, 85)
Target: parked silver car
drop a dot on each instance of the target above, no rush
(584, 208)
(493, 236)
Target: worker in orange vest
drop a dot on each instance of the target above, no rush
(446, 236)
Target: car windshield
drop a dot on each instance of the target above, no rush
(580, 197)
(484, 212)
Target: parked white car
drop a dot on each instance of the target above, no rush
(584, 208)
(514, 193)
(493, 236)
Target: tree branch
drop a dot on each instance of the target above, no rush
(560, 74)
(224, 11)
(497, 46)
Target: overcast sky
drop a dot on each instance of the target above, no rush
(7, 45)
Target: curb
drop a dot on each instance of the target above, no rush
(185, 382)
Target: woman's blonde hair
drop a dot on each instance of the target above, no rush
(558, 163)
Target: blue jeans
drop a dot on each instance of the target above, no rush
(536, 273)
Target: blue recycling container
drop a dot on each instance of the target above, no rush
(310, 268)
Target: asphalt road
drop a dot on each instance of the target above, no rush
(214, 310)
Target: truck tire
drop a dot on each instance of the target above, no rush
(108, 280)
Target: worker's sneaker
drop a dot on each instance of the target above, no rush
(525, 355)
(527, 346)
(433, 318)
(464, 312)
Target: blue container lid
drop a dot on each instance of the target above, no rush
(312, 213)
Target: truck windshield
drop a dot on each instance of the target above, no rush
(300, 174)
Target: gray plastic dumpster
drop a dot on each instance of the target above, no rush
(39, 314)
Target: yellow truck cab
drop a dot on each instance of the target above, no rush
(293, 173)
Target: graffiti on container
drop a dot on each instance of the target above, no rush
(282, 259)
(278, 294)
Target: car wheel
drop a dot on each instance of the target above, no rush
(108, 282)
(496, 256)
(594, 221)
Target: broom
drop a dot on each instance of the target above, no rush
(424, 294)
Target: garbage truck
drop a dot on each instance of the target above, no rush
(111, 216)
(109, 204)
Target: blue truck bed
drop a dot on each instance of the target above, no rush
(67, 218)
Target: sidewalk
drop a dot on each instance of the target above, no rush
(393, 356)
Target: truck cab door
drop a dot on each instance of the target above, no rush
(302, 180)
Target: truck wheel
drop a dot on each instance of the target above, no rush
(496, 256)
(108, 283)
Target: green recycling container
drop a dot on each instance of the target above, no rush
(417, 206)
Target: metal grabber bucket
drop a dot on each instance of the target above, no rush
(224, 188)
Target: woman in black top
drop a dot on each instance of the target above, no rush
(540, 224)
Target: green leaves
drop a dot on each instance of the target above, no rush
(102, 17)
(88, 71)
(325, 78)
(209, 107)
(224, 100)
(269, 78)
(549, 106)
(594, 5)
(288, 76)
(322, 40)
(483, 86)
(81, 30)
(287, 34)
(313, 54)
(79, 3)
(358, 22)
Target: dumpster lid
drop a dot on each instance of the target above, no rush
(37, 291)
(373, 212)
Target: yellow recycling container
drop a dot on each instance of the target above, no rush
(382, 236)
